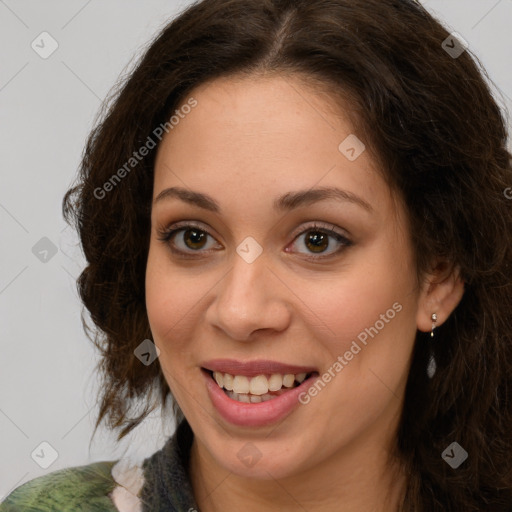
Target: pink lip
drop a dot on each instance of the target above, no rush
(254, 415)
(253, 368)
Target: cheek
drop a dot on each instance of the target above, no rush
(370, 314)
(372, 305)
(357, 300)
(170, 300)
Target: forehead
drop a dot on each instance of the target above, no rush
(250, 137)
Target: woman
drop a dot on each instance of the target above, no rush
(296, 220)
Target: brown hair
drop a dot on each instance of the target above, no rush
(431, 119)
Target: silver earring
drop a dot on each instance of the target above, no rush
(434, 320)
(431, 368)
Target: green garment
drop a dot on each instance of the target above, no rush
(76, 489)
(166, 485)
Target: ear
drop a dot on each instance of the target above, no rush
(441, 292)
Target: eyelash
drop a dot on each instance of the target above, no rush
(165, 235)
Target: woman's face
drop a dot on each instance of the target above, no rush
(257, 286)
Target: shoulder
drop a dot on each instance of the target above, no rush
(65, 490)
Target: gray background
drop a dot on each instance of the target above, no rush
(47, 107)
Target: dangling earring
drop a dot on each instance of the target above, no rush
(434, 320)
(432, 366)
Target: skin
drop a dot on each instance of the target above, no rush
(247, 142)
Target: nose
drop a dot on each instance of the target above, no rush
(249, 298)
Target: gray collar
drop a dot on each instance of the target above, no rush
(167, 486)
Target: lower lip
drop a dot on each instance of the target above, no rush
(254, 415)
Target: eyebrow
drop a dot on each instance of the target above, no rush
(286, 202)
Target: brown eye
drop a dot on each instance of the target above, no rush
(193, 241)
(196, 236)
(316, 241)
(186, 240)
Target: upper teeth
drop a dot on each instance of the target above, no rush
(258, 385)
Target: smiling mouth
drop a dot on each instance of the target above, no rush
(260, 388)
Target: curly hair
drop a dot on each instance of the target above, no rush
(430, 119)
